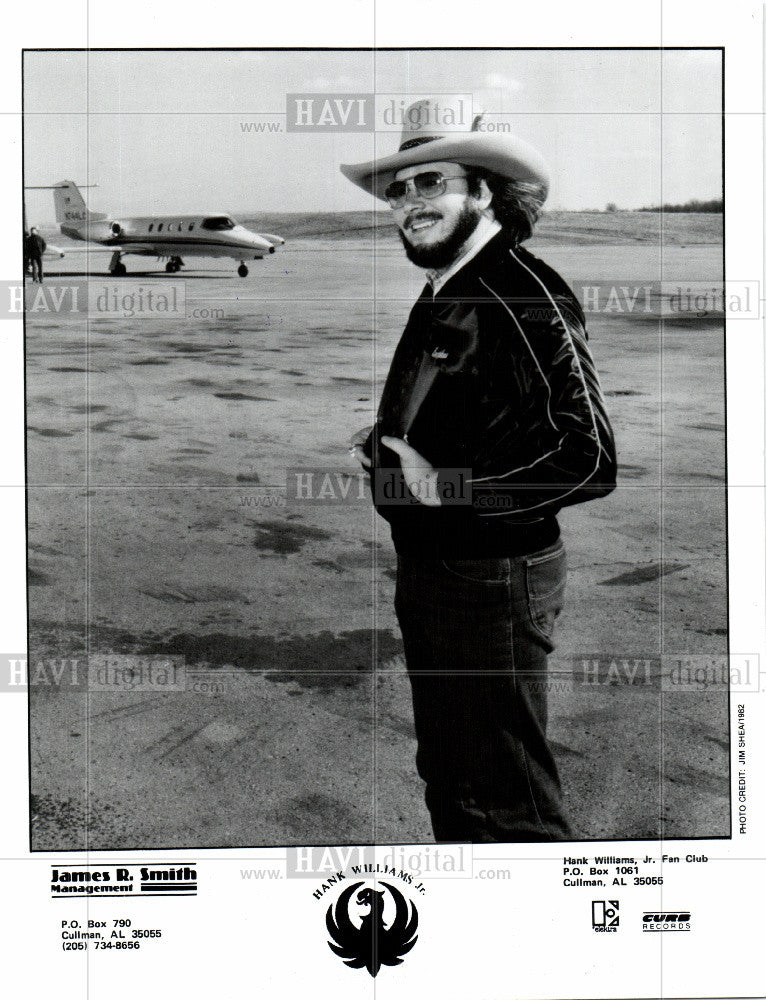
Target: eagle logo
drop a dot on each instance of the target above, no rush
(373, 943)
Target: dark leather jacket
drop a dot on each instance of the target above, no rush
(513, 398)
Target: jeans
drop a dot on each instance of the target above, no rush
(477, 633)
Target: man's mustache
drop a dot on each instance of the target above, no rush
(420, 217)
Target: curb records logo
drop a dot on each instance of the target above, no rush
(605, 914)
(371, 926)
(676, 920)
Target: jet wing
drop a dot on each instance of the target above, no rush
(136, 248)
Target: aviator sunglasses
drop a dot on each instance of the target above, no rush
(429, 184)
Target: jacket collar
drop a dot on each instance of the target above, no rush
(496, 247)
(485, 230)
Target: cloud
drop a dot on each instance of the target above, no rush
(497, 81)
(324, 84)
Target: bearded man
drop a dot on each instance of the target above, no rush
(491, 420)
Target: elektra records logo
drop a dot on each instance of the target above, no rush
(371, 927)
(605, 915)
(677, 920)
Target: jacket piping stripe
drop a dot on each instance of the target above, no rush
(542, 376)
(541, 458)
(590, 475)
(519, 327)
(541, 283)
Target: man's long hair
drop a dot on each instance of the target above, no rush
(516, 204)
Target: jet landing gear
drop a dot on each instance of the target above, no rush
(173, 265)
(242, 271)
(116, 267)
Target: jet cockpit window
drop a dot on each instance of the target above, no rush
(218, 222)
(191, 226)
(151, 226)
(159, 227)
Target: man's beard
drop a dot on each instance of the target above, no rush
(440, 255)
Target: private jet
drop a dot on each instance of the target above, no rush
(165, 237)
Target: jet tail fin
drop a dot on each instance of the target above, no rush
(71, 210)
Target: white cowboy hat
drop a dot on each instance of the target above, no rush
(503, 154)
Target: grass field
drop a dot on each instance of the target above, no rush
(676, 229)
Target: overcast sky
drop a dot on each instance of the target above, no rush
(162, 132)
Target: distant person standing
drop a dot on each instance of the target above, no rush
(27, 253)
(36, 251)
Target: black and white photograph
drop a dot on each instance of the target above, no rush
(383, 500)
(375, 443)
